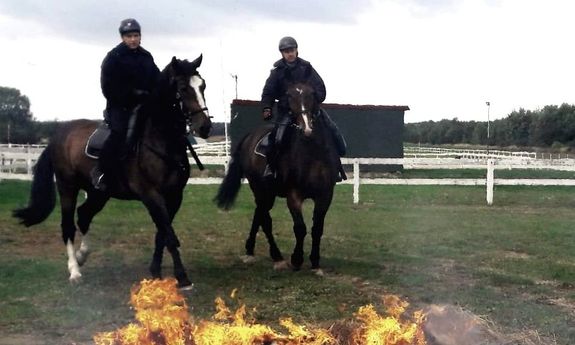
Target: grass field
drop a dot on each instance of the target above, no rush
(512, 263)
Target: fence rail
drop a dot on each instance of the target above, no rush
(440, 151)
(17, 162)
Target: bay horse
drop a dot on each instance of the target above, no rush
(155, 173)
(307, 169)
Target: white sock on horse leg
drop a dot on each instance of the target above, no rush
(73, 266)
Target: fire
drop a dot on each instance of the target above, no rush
(390, 330)
(162, 315)
(163, 319)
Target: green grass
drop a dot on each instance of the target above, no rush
(510, 262)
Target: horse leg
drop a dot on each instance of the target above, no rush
(262, 218)
(86, 212)
(321, 205)
(173, 205)
(267, 226)
(68, 196)
(166, 236)
(295, 203)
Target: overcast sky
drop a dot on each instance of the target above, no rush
(442, 58)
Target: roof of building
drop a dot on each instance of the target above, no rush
(336, 105)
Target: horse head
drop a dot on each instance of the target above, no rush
(303, 106)
(190, 86)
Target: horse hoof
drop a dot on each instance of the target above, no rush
(81, 257)
(248, 259)
(75, 278)
(156, 271)
(281, 265)
(189, 287)
(318, 272)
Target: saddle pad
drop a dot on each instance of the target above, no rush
(96, 141)
(262, 147)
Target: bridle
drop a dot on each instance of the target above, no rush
(188, 115)
(310, 114)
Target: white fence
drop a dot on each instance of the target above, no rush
(440, 152)
(16, 163)
(452, 163)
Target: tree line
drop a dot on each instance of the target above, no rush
(551, 126)
(18, 125)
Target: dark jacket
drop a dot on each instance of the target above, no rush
(127, 75)
(282, 75)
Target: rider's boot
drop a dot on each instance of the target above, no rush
(269, 174)
(131, 133)
(337, 137)
(276, 142)
(102, 173)
(341, 173)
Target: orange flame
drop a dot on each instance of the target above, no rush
(390, 330)
(162, 314)
(163, 319)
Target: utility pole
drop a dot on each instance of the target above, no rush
(488, 161)
(235, 76)
(488, 106)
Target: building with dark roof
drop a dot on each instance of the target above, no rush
(370, 130)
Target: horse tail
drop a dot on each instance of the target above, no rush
(232, 182)
(42, 195)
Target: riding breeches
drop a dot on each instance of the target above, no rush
(278, 132)
(111, 152)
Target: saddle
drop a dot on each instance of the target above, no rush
(96, 141)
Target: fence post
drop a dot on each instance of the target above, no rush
(28, 160)
(356, 181)
(489, 183)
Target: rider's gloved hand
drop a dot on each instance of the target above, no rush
(267, 113)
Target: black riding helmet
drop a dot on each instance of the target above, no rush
(129, 25)
(287, 42)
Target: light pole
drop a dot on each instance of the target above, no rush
(235, 76)
(488, 106)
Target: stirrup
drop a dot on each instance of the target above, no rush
(98, 179)
(269, 174)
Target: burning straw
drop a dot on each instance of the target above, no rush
(163, 319)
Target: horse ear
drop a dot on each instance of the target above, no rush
(176, 65)
(197, 62)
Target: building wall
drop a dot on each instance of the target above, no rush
(370, 130)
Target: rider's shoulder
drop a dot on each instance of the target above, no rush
(303, 62)
(278, 64)
(144, 51)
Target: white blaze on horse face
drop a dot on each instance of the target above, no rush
(307, 128)
(196, 82)
(307, 125)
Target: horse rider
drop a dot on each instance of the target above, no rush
(128, 75)
(291, 69)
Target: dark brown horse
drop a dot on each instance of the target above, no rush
(155, 173)
(307, 169)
